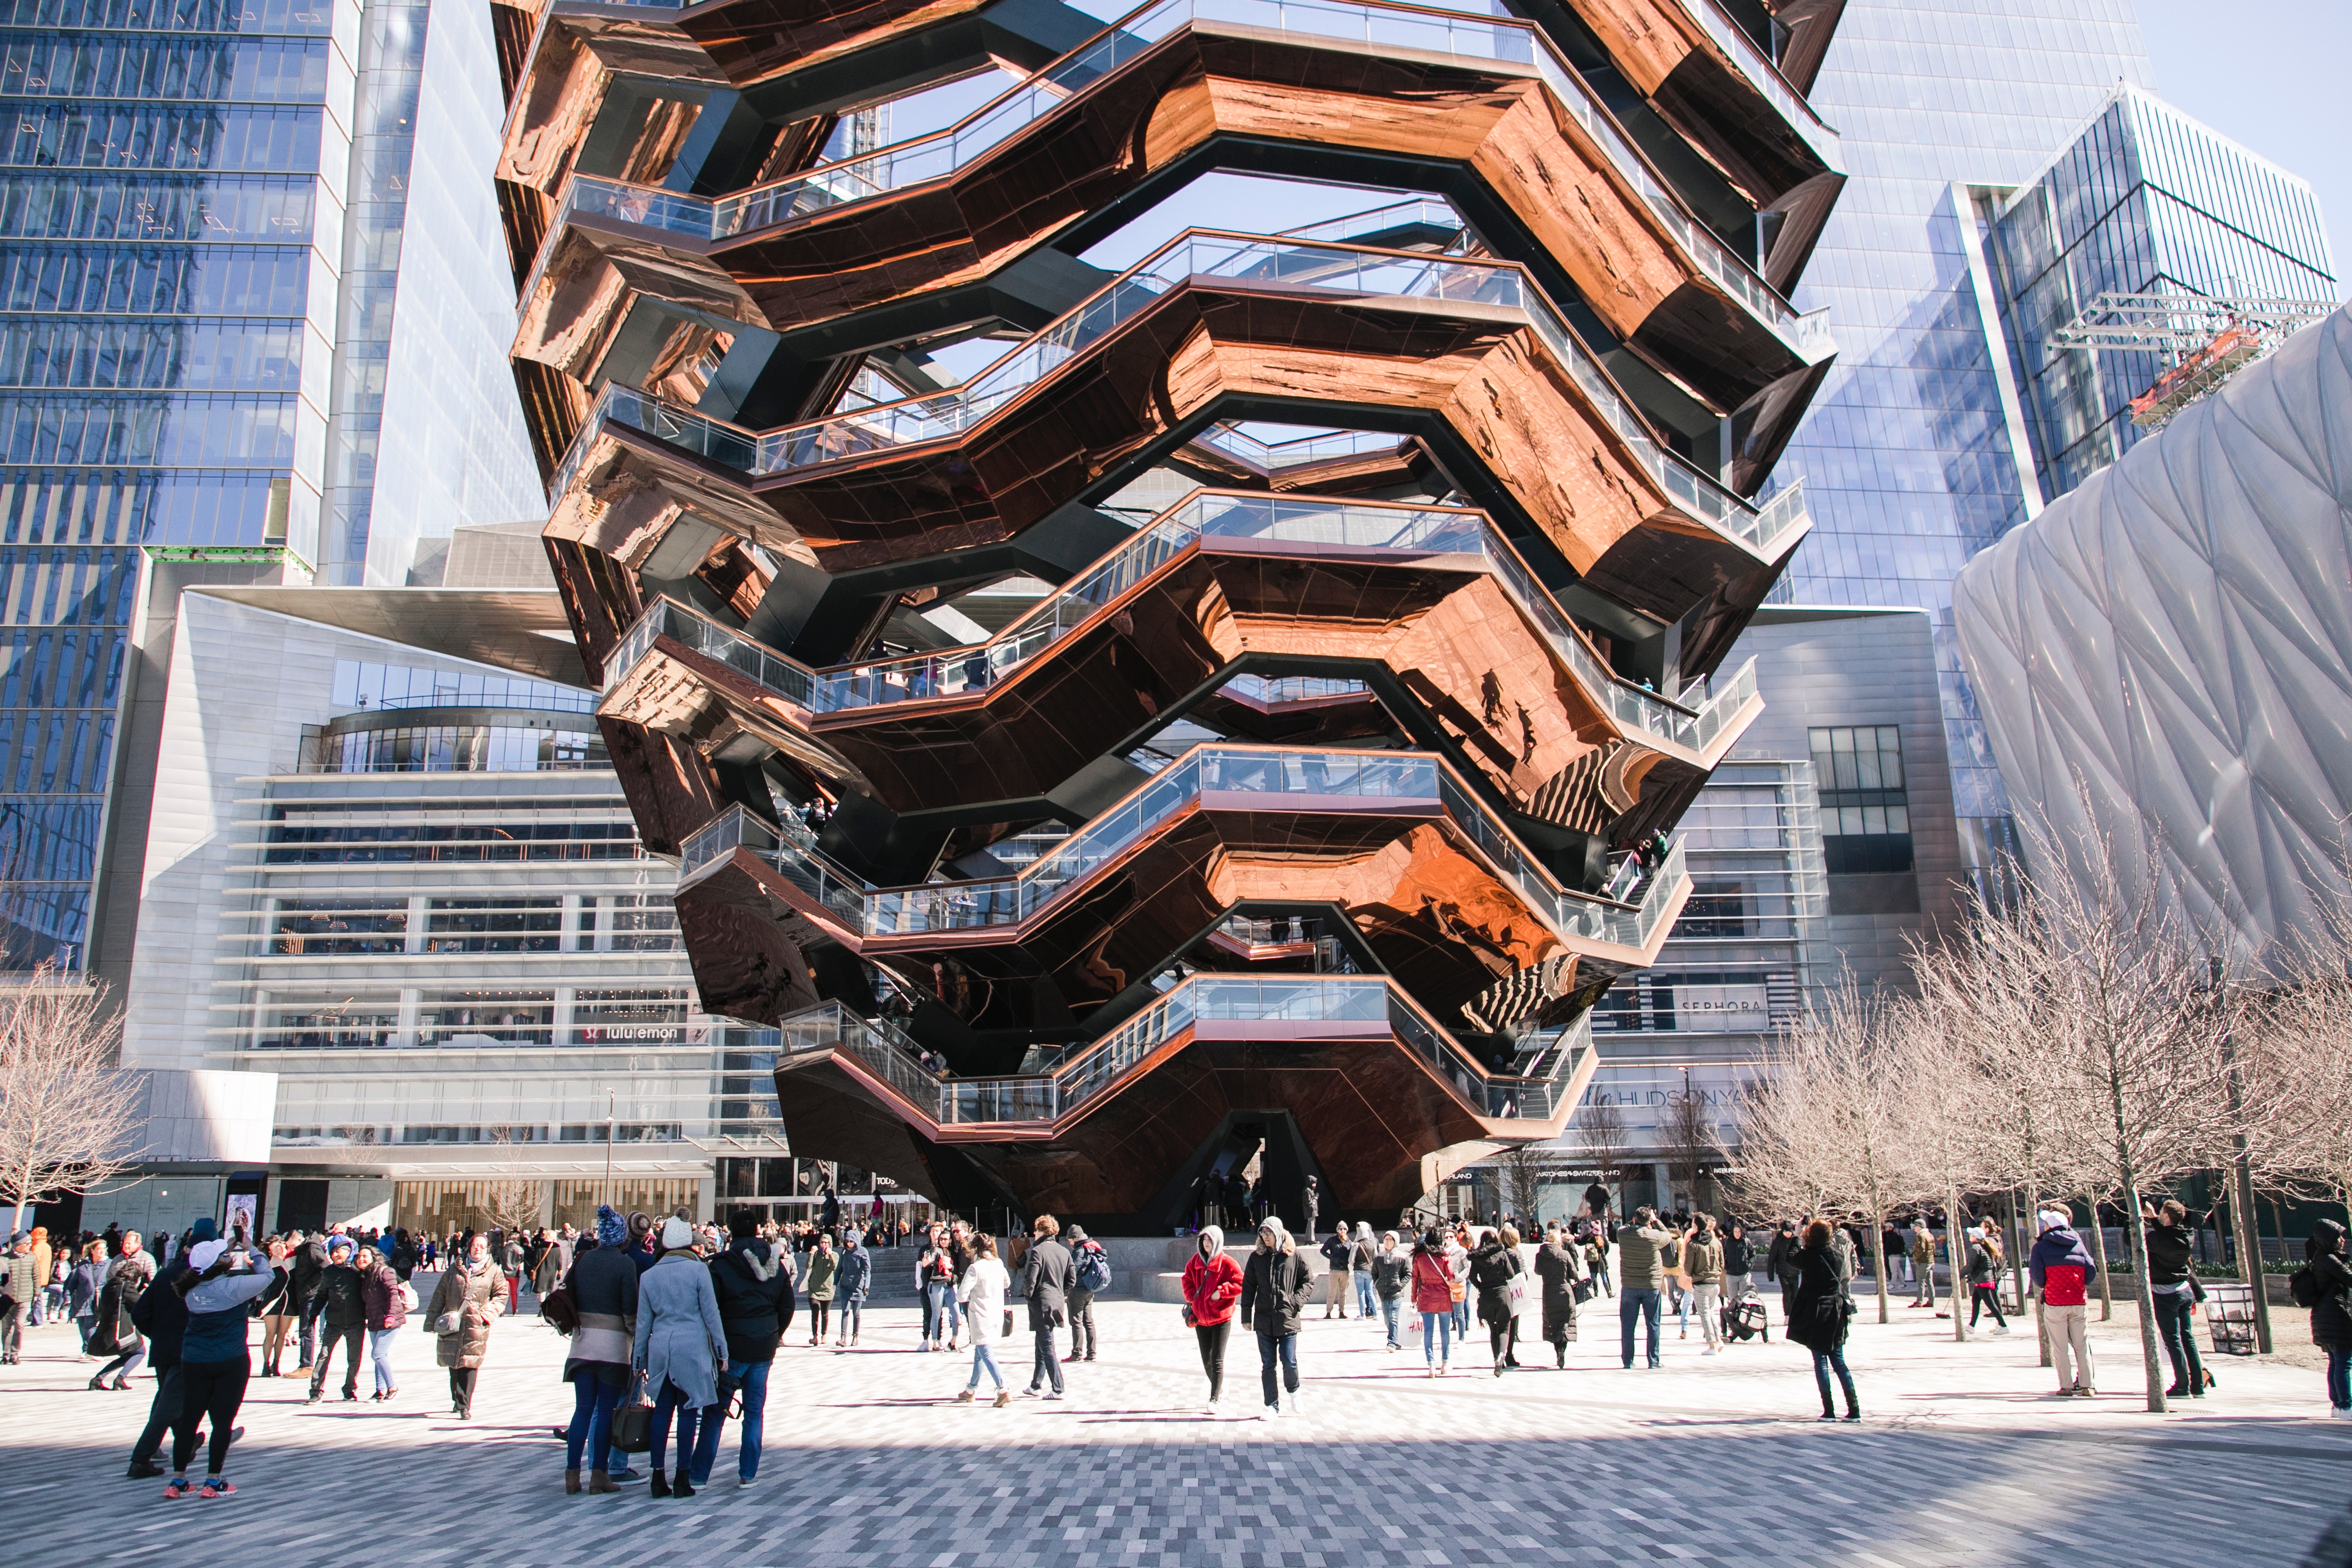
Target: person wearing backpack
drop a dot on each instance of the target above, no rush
(1090, 1272)
(2061, 1270)
(1820, 1314)
(2323, 1284)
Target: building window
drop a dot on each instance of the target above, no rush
(1865, 810)
(313, 926)
(494, 925)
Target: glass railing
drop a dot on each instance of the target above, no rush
(1357, 274)
(886, 1050)
(1204, 514)
(1426, 211)
(1368, 21)
(1209, 768)
(1766, 77)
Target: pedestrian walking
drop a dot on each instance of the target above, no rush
(86, 1280)
(1820, 1313)
(817, 1276)
(679, 1344)
(472, 1293)
(114, 1331)
(1500, 1274)
(383, 1296)
(851, 1280)
(1339, 1252)
(1984, 1280)
(1436, 1288)
(943, 1318)
(1923, 1263)
(1738, 1265)
(602, 1285)
(160, 1315)
(753, 1283)
(2330, 1291)
(1275, 1283)
(343, 1317)
(1391, 1277)
(22, 1283)
(982, 1293)
(2172, 1285)
(1211, 1286)
(1703, 1265)
(219, 1287)
(1089, 1272)
(1458, 1258)
(1559, 1265)
(1047, 1277)
(1642, 1279)
(306, 1264)
(2062, 1271)
(1363, 1258)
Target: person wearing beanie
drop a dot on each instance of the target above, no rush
(219, 1287)
(603, 1284)
(1274, 1298)
(343, 1316)
(680, 1343)
(471, 1295)
(2062, 1271)
(850, 1283)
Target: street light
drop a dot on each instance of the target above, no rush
(611, 1096)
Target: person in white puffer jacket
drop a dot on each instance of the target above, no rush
(982, 1292)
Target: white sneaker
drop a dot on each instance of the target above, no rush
(1055, 1394)
(1210, 1408)
(1267, 1412)
(2000, 1329)
(1709, 1351)
(1295, 1411)
(2340, 1413)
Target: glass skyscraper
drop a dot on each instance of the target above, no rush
(206, 212)
(1916, 453)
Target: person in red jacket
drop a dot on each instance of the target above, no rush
(1436, 1289)
(1212, 1283)
(2061, 1270)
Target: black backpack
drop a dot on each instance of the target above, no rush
(2303, 1286)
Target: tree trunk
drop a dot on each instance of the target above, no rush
(2151, 1353)
(2099, 1241)
(1954, 1254)
(1878, 1249)
(2019, 1244)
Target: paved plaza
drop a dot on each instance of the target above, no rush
(1963, 1459)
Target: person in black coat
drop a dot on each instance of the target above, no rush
(755, 1307)
(1495, 1262)
(161, 1316)
(1275, 1283)
(1780, 1262)
(2331, 1319)
(1820, 1310)
(305, 1268)
(2173, 1292)
(1047, 1277)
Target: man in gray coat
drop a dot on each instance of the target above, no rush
(1045, 1281)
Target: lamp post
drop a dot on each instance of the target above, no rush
(611, 1098)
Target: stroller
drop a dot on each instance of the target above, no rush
(1746, 1322)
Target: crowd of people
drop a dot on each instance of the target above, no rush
(673, 1328)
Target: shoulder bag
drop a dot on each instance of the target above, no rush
(632, 1426)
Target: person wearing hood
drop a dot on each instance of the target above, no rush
(1392, 1272)
(1363, 1257)
(219, 1288)
(817, 1278)
(1047, 1276)
(2061, 1272)
(1274, 1298)
(680, 1343)
(1559, 1264)
(603, 1284)
(1213, 1284)
(850, 1283)
(471, 1295)
(754, 1286)
(1495, 1263)
(2331, 1314)
(342, 1315)
(1089, 1261)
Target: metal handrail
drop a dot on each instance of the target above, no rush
(1358, 272)
(1202, 515)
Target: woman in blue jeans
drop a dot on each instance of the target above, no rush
(2331, 1319)
(680, 1345)
(1819, 1317)
(754, 1283)
(602, 1285)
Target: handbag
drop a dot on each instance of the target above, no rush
(632, 1427)
(1455, 1290)
(1007, 1330)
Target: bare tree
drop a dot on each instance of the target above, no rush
(509, 1203)
(69, 1120)
(1522, 1170)
(2141, 1087)
(1817, 1128)
(2297, 1053)
(1603, 1126)
(1690, 1138)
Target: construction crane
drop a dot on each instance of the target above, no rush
(2207, 337)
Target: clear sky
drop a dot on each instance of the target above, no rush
(2269, 74)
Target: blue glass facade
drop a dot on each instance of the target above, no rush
(175, 281)
(1906, 457)
(2145, 200)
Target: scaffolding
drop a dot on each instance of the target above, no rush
(2206, 338)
